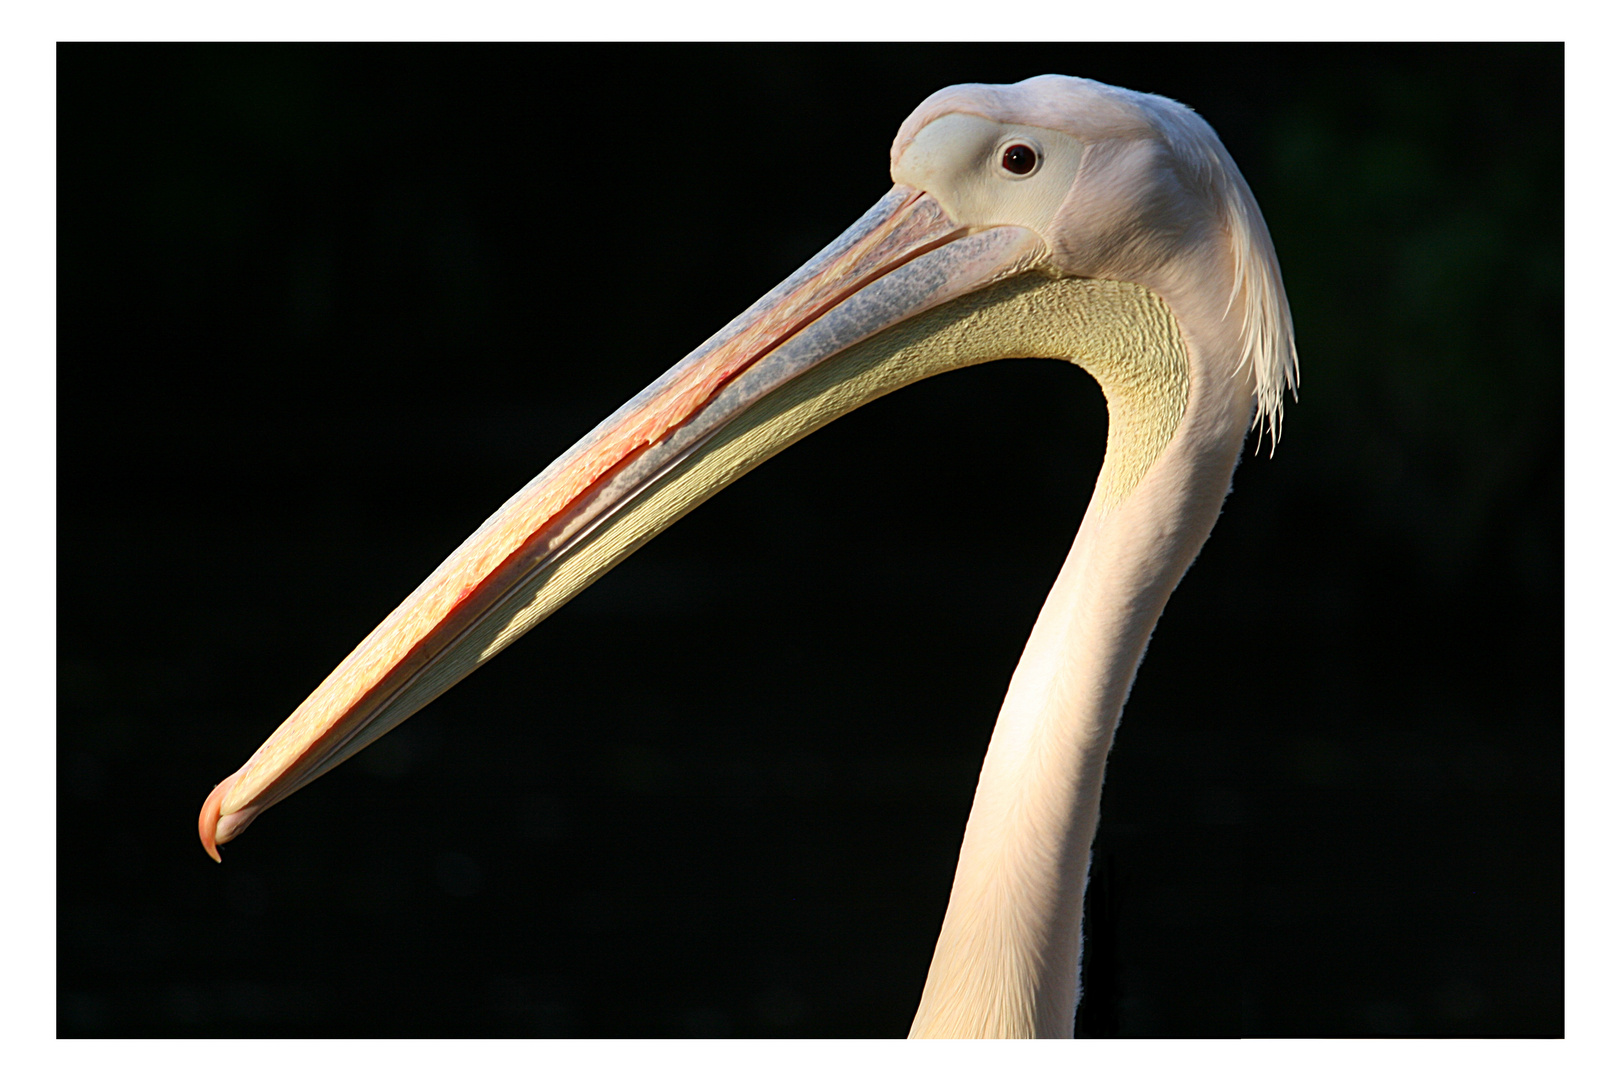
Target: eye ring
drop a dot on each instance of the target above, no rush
(1019, 158)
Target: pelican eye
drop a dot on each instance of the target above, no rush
(1020, 159)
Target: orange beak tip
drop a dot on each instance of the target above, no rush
(208, 820)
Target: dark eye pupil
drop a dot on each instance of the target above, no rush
(1018, 159)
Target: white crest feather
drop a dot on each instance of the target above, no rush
(1268, 325)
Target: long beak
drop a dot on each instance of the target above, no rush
(903, 257)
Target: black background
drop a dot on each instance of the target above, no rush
(322, 309)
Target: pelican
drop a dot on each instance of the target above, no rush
(1057, 217)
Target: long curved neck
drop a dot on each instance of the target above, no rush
(1007, 960)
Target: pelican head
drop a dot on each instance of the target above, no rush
(1057, 217)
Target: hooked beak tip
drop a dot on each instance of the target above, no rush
(208, 820)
